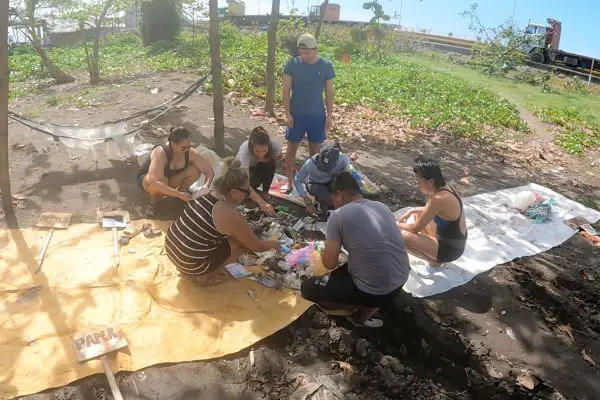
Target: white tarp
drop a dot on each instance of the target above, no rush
(498, 234)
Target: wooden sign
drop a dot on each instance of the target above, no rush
(54, 220)
(97, 342)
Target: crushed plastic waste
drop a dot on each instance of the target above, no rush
(298, 257)
(540, 209)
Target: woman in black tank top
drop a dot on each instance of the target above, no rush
(439, 233)
(172, 168)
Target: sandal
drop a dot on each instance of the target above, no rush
(369, 323)
(150, 210)
(151, 232)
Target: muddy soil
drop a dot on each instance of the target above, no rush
(528, 319)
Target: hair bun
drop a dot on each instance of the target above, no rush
(236, 164)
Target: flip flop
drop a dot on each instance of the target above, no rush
(150, 210)
(371, 323)
(342, 312)
(429, 271)
(151, 232)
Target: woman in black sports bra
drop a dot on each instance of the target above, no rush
(172, 168)
(439, 233)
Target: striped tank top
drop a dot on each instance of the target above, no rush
(192, 239)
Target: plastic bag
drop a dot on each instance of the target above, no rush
(299, 258)
(540, 210)
(367, 187)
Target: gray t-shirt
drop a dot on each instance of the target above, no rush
(367, 229)
(247, 158)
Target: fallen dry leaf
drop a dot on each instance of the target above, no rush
(18, 146)
(587, 276)
(465, 180)
(587, 358)
(19, 196)
(526, 380)
(347, 370)
(566, 329)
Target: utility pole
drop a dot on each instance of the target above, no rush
(400, 15)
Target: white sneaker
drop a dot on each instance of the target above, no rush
(427, 271)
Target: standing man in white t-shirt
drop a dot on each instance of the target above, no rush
(260, 154)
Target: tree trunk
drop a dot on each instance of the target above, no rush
(321, 15)
(272, 37)
(56, 73)
(4, 170)
(215, 57)
(94, 62)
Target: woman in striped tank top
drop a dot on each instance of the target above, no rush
(211, 233)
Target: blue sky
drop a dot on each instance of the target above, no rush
(579, 17)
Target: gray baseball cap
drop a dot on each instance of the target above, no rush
(307, 41)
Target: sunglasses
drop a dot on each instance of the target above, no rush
(247, 191)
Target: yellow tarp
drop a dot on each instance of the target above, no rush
(164, 320)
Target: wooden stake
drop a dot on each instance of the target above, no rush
(110, 377)
(215, 58)
(4, 169)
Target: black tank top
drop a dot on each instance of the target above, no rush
(450, 229)
(168, 171)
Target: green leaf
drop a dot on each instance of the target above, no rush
(368, 5)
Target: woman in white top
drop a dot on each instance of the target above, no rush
(259, 155)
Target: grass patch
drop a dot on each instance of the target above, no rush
(577, 133)
(430, 98)
(575, 110)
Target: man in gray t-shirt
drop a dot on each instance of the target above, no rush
(377, 265)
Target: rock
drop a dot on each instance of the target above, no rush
(492, 372)
(362, 348)
(402, 351)
(386, 376)
(393, 363)
(334, 334)
(506, 387)
(320, 320)
(557, 396)
(347, 342)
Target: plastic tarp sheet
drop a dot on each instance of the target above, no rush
(164, 318)
(498, 234)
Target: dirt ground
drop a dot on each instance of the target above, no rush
(469, 343)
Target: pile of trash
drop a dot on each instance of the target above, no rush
(300, 257)
(534, 206)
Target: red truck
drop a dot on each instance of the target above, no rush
(331, 12)
(547, 50)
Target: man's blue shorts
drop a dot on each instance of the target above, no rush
(312, 125)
